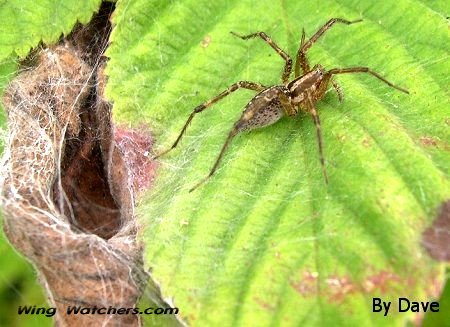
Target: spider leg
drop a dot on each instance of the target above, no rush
(336, 71)
(315, 116)
(288, 65)
(301, 60)
(236, 86)
(302, 41)
(338, 90)
(232, 134)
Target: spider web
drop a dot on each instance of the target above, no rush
(84, 248)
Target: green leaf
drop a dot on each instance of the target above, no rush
(24, 23)
(266, 241)
(7, 71)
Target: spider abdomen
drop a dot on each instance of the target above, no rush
(263, 110)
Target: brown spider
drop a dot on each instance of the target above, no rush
(288, 98)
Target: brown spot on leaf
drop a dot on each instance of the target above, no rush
(206, 41)
(428, 141)
(432, 142)
(339, 287)
(307, 285)
(341, 137)
(381, 281)
(366, 142)
(263, 304)
(436, 238)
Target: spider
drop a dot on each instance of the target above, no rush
(289, 98)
